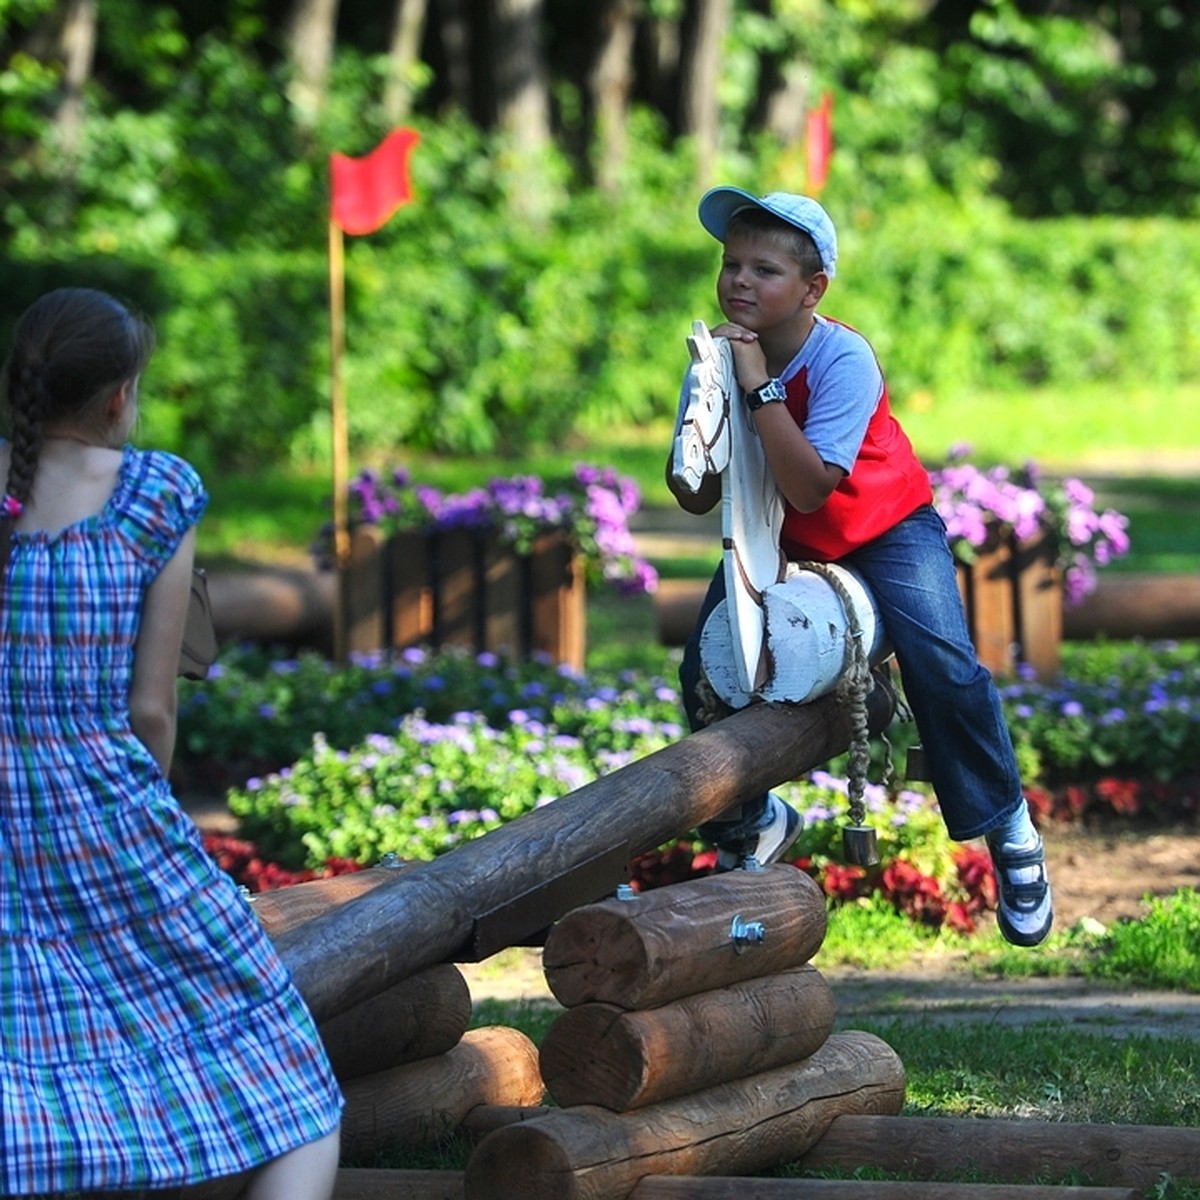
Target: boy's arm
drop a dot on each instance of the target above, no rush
(802, 476)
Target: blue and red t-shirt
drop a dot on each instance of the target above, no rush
(838, 397)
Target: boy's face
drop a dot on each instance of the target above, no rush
(760, 286)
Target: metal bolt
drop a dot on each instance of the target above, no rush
(750, 863)
(390, 861)
(746, 933)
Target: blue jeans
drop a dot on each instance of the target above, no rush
(910, 572)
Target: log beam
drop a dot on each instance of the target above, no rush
(419, 1017)
(1014, 1151)
(600, 1054)
(421, 1102)
(674, 1187)
(743, 1127)
(428, 914)
(678, 940)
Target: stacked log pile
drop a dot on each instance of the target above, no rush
(696, 1040)
(409, 1067)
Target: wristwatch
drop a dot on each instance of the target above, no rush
(771, 392)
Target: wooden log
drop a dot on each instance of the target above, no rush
(372, 1184)
(420, 1102)
(289, 605)
(628, 812)
(600, 1054)
(351, 1183)
(674, 1187)
(419, 1017)
(1014, 1151)
(589, 1153)
(1126, 604)
(481, 1121)
(676, 941)
(287, 908)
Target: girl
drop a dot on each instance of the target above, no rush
(149, 1035)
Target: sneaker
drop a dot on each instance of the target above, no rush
(1026, 909)
(766, 845)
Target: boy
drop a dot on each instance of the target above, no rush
(855, 492)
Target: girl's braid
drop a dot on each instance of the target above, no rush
(26, 403)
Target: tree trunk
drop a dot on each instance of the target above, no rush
(611, 82)
(522, 94)
(311, 34)
(521, 79)
(701, 112)
(404, 56)
(79, 51)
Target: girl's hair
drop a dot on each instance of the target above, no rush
(70, 349)
(792, 241)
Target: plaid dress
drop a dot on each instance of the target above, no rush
(149, 1035)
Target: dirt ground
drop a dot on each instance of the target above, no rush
(1105, 873)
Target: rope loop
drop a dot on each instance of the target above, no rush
(853, 688)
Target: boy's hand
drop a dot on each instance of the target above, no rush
(748, 358)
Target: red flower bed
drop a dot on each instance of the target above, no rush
(242, 860)
(920, 897)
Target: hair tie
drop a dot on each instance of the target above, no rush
(10, 506)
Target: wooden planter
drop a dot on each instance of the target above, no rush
(1013, 596)
(464, 588)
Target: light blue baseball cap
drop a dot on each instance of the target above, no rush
(719, 204)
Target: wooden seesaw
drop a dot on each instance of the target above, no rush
(695, 1047)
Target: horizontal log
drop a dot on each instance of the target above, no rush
(600, 1054)
(481, 1121)
(419, 1017)
(678, 940)
(1160, 604)
(351, 1183)
(738, 1128)
(284, 909)
(372, 1184)
(1125, 604)
(291, 605)
(421, 1102)
(1014, 1151)
(668, 1187)
(632, 810)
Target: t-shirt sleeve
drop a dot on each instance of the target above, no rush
(845, 385)
(167, 500)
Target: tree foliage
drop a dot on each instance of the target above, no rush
(547, 274)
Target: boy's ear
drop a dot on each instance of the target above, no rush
(817, 287)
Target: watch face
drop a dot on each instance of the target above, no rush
(771, 392)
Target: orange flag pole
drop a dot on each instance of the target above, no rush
(363, 194)
(340, 434)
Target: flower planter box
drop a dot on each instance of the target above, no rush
(464, 588)
(1013, 596)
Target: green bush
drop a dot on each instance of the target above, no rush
(471, 331)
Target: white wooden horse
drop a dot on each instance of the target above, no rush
(781, 633)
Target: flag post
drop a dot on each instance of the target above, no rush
(363, 194)
(339, 432)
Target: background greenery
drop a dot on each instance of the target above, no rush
(1014, 184)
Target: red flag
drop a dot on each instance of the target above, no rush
(364, 192)
(819, 140)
